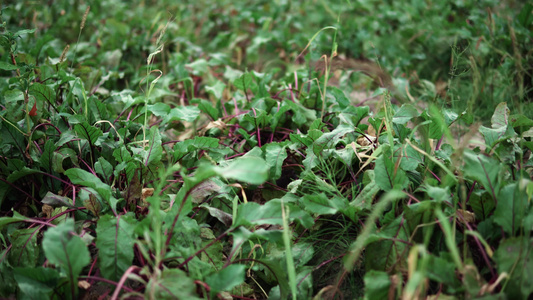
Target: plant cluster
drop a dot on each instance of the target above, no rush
(206, 155)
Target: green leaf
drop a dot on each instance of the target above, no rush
(155, 150)
(47, 156)
(405, 114)
(388, 176)
(500, 118)
(442, 269)
(197, 143)
(377, 284)
(411, 158)
(7, 67)
(252, 213)
(36, 283)
(511, 209)
(84, 178)
(226, 279)
(482, 204)
(207, 107)
(182, 113)
(513, 256)
(483, 169)
(42, 92)
(244, 82)
(321, 204)
(252, 170)
(199, 66)
(216, 90)
(59, 157)
(24, 31)
(66, 250)
(17, 217)
(16, 175)
(103, 168)
(24, 248)
(275, 155)
(339, 97)
(115, 241)
(88, 132)
(159, 109)
(171, 284)
(381, 255)
(330, 139)
(365, 198)
(56, 200)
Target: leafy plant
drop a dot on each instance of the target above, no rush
(208, 154)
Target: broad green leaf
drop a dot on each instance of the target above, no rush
(66, 136)
(216, 90)
(513, 256)
(365, 198)
(47, 156)
(207, 107)
(182, 113)
(339, 97)
(37, 282)
(16, 175)
(171, 284)
(511, 209)
(520, 123)
(226, 279)
(17, 217)
(330, 139)
(252, 213)
(115, 241)
(24, 248)
(199, 66)
(493, 136)
(60, 155)
(321, 204)
(190, 145)
(388, 176)
(244, 82)
(411, 159)
(7, 67)
(24, 31)
(405, 114)
(103, 168)
(42, 92)
(56, 200)
(88, 132)
(275, 154)
(483, 169)
(222, 216)
(500, 118)
(442, 269)
(482, 204)
(155, 151)
(67, 251)
(84, 178)
(377, 284)
(381, 255)
(252, 170)
(159, 109)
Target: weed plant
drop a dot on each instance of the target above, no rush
(223, 149)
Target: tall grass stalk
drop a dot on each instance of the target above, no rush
(82, 25)
(150, 85)
(291, 270)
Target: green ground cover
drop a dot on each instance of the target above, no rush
(266, 149)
